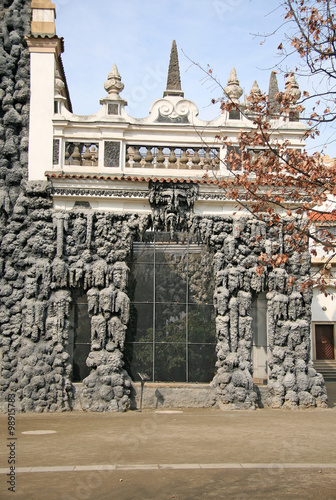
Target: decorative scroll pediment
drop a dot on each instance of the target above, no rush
(172, 109)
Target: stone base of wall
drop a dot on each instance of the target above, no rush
(264, 396)
(164, 395)
(175, 395)
(172, 395)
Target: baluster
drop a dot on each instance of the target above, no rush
(160, 158)
(196, 161)
(76, 156)
(172, 158)
(207, 159)
(94, 155)
(149, 158)
(137, 157)
(184, 158)
(87, 156)
(67, 154)
(216, 159)
(128, 157)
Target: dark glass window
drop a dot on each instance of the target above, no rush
(172, 334)
(80, 343)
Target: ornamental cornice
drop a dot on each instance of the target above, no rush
(44, 44)
(105, 193)
(211, 196)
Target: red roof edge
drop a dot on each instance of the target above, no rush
(107, 177)
(322, 216)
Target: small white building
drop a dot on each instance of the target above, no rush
(324, 303)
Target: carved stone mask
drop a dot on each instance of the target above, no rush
(172, 204)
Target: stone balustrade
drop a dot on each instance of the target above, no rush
(190, 158)
(81, 154)
(163, 157)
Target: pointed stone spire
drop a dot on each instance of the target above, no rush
(233, 89)
(255, 88)
(173, 79)
(292, 87)
(273, 90)
(113, 84)
(255, 93)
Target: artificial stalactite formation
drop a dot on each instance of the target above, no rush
(293, 381)
(47, 255)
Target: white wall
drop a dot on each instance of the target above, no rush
(42, 67)
(321, 302)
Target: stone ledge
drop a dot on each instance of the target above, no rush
(173, 395)
(163, 395)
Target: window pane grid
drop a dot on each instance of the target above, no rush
(167, 269)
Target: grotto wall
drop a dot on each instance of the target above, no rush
(45, 255)
(15, 16)
(237, 242)
(293, 381)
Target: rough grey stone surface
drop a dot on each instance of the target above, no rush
(172, 205)
(173, 78)
(113, 109)
(273, 90)
(292, 379)
(161, 396)
(14, 101)
(46, 254)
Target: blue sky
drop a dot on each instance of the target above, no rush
(137, 35)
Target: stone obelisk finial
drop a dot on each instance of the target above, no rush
(113, 84)
(273, 90)
(233, 89)
(174, 80)
(292, 87)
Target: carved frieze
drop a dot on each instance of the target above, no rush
(108, 193)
